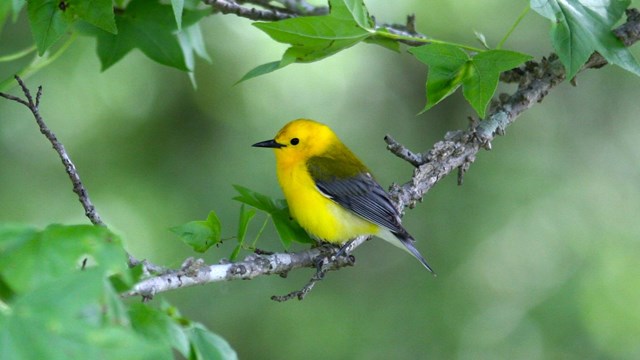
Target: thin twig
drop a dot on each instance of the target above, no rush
(72, 172)
(78, 187)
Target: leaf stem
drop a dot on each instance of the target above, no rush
(264, 225)
(513, 27)
(18, 55)
(38, 63)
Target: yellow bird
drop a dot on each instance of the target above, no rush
(330, 192)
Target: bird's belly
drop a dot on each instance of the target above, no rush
(320, 216)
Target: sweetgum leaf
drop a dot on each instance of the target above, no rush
(579, 28)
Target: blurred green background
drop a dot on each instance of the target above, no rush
(537, 253)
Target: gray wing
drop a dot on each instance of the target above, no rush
(362, 195)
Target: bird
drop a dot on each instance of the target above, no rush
(330, 192)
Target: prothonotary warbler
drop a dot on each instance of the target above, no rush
(330, 192)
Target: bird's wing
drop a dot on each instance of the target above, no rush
(359, 192)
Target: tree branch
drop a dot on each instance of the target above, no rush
(78, 188)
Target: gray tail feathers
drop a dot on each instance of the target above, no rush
(408, 241)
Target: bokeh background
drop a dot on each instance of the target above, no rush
(537, 253)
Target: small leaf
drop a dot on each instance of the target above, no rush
(481, 39)
(579, 28)
(447, 69)
(96, 12)
(289, 230)
(352, 10)
(316, 37)
(49, 20)
(149, 26)
(451, 67)
(485, 68)
(200, 235)
(245, 218)
(261, 70)
(178, 7)
(159, 327)
(206, 345)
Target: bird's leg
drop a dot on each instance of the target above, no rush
(343, 249)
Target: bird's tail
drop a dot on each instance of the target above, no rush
(405, 241)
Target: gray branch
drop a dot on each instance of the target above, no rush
(78, 187)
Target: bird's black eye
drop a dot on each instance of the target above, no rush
(295, 141)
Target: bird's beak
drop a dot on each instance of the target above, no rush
(269, 144)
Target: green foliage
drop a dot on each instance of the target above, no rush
(450, 67)
(60, 299)
(580, 28)
(243, 224)
(316, 37)
(168, 32)
(278, 211)
(50, 19)
(150, 27)
(201, 234)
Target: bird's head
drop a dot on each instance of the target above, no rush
(300, 140)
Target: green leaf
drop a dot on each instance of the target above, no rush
(316, 37)
(96, 12)
(178, 7)
(200, 235)
(158, 326)
(289, 230)
(579, 28)
(30, 258)
(351, 10)
(245, 218)
(48, 21)
(192, 44)
(484, 72)
(447, 69)
(150, 27)
(206, 345)
(450, 67)
(5, 10)
(63, 319)
(261, 70)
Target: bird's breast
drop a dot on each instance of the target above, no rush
(320, 216)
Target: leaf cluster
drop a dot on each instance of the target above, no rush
(170, 35)
(200, 235)
(60, 299)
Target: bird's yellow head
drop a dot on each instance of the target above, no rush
(300, 140)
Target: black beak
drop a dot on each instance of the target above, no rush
(269, 144)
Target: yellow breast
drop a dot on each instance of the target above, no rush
(318, 215)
